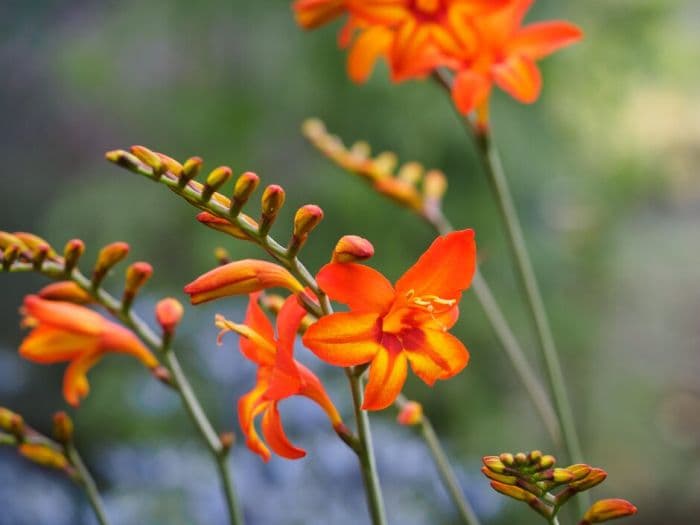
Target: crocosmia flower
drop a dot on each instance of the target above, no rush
(279, 377)
(390, 327)
(64, 331)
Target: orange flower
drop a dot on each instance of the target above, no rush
(507, 57)
(391, 326)
(313, 13)
(67, 332)
(279, 377)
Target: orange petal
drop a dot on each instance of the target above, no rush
(445, 269)
(360, 287)
(67, 316)
(285, 380)
(387, 375)
(313, 389)
(470, 90)
(543, 38)
(435, 354)
(313, 13)
(249, 406)
(116, 338)
(48, 345)
(368, 47)
(519, 77)
(345, 339)
(274, 435)
(256, 319)
(75, 383)
(385, 12)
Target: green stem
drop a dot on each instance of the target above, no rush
(368, 465)
(494, 170)
(554, 520)
(86, 481)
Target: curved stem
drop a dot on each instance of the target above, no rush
(366, 453)
(85, 479)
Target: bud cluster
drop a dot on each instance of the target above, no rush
(534, 479)
(409, 184)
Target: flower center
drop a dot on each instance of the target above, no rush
(432, 304)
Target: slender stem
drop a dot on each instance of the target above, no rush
(447, 474)
(508, 341)
(85, 479)
(494, 170)
(368, 465)
(554, 520)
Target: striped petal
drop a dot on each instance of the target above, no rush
(387, 375)
(345, 339)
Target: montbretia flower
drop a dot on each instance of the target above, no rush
(391, 326)
(279, 376)
(64, 331)
(507, 56)
(240, 277)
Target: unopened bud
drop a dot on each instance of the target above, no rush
(221, 255)
(271, 203)
(513, 491)
(608, 509)
(109, 256)
(171, 165)
(35, 244)
(10, 255)
(7, 239)
(411, 414)
(520, 459)
(595, 477)
(434, 185)
(305, 220)
(71, 254)
(579, 471)
(313, 128)
(494, 464)
(124, 159)
(67, 291)
(150, 158)
(227, 440)
(411, 172)
(503, 478)
(246, 184)
(136, 276)
(190, 169)
(12, 423)
(507, 459)
(227, 226)
(535, 456)
(352, 248)
(561, 475)
(215, 180)
(360, 150)
(385, 163)
(546, 462)
(62, 428)
(169, 312)
(43, 455)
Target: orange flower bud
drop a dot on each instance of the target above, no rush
(411, 414)
(351, 248)
(223, 225)
(246, 184)
(35, 243)
(10, 255)
(190, 169)
(62, 428)
(503, 478)
(65, 291)
(227, 440)
(221, 255)
(411, 172)
(494, 464)
(215, 180)
(11, 422)
(385, 163)
(520, 459)
(401, 191)
(107, 258)
(272, 201)
(535, 456)
(313, 128)
(169, 312)
(72, 252)
(306, 219)
(595, 477)
(513, 492)
(546, 462)
(171, 164)
(434, 185)
(124, 159)
(579, 471)
(608, 509)
(43, 455)
(136, 276)
(7, 239)
(240, 277)
(150, 159)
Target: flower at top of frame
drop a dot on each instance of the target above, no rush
(389, 327)
(63, 331)
(279, 376)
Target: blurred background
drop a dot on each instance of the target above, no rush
(604, 168)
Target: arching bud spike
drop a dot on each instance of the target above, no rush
(137, 275)
(246, 184)
(109, 256)
(190, 170)
(608, 509)
(66, 291)
(151, 159)
(171, 165)
(215, 180)
(305, 220)
(125, 160)
(71, 254)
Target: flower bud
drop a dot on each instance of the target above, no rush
(171, 165)
(66, 291)
(595, 477)
(400, 191)
(507, 459)
(535, 456)
(411, 414)
(361, 150)
(43, 455)
(169, 312)
(608, 509)
(107, 258)
(385, 163)
(305, 220)
(494, 464)
(7, 240)
(136, 276)
(240, 277)
(71, 254)
(313, 128)
(221, 255)
(520, 459)
(227, 440)
(503, 478)
(40, 255)
(579, 471)
(190, 169)
(35, 244)
(411, 172)
(546, 462)
(215, 180)
(62, 428)
(352, 248)
(125, 160)
(271, 202)
(434, 185)
(246, 184)
(11, 423)
(224, 225)
(10, 255)
(513, 491)
(150, 159)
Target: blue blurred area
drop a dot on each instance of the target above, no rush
(604, 169)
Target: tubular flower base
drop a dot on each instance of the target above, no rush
(391, 326)
(67, 332)
(481, 40)
(279, 376)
